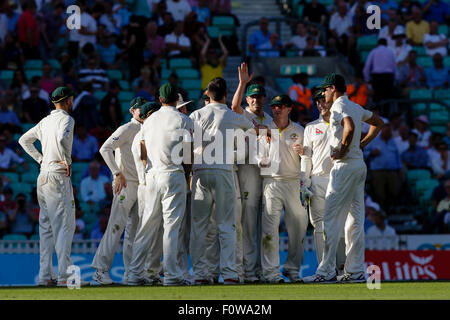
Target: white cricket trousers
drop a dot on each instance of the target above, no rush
(319, 186)
(124, 212)
(213, 187)
(56, 223)
(251, 184)
(212, 254)
(185, 232)
(166, 201)
(279, 194)
(344, 197)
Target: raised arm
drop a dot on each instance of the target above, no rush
(224, 56)
(244, 78)
(204, 50)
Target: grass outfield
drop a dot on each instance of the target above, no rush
(389, 291)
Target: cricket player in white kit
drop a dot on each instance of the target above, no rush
(213, 182)
(345, 191)
(54, 188)
(250, 179)
(167, 197)
(281, 188)
(316, 166)
(124, 209)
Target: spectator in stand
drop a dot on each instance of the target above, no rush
(104, 170)
(34, 108)
(415, 157)
(195, 31)
(10, 142)
(385, 6)
(410, 75)
(147, 78)
(110, 109)
(121, 9)
(100, 227)
(69, 76)
(380, 70)
(85, 108)
(432, 151)
(447, 137)
(36, 81)
(21, 219)
(340, 26)
(315, 12)
(79, 224)
(298, 41)
(160, 12)
(109, 52)
(299, 91)
(8, 157)
(7, 116)
(416, 28)
(177, 44)
(85, 146)
(28, 30)
(435, 42)
(384, 167)
(211, 64)
(405, 10)
(380, 228)
(441, 164)
(155, 41)
(109, 19)
(401, 49)
(260, 36)
(50, 26)
(94, 74)
(92, 188)
(313, 49)
(396, 120)
(271, 48)
(3, 23)
(3, 224)
(360, 17)
(33, 205)
(437, 10)
(167, 26)
(19, 84)
(359, 91)
(47, 81)
(421, 129)
(402, 141)
(174, 80)
(220, 6)
(12, 15)
(178, 8)
(437, 76)
(203, 12)
(439, 222)
(12, 55)
(390, 30)
(8, 204)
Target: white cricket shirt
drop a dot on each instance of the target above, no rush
(136, 151)
(55, 132)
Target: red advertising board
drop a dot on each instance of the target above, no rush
(411, 264)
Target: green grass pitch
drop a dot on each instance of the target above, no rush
(389, 291)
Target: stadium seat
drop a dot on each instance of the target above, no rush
(87, 208)
(125, 107)
(442, 94)
(437, 106)
(417, 174)
(213, 32)
(27, 126)
(165, 74)
(126, 96)
(425, 62)
(439, 117)
(420, 51)
(447, 61)
(6, 76)
(366, 42)
(54, 64)
(34, 237)
(284, 83)
(225, 24)
(443, 28)
(34, 167)
(79, 166)
(421, 94)
(423, 185)
(33, 65)
(192, 84)
(194, 94)
(125, 85)
(326, 2)
(14, 177)
(364, 55)
(29, 177)
(15, 236)
(163, 63)
(439, 129)
(127, 117)
(21, 187)
(32, 73)
(114, 74)
(419, 108)
(188, 73)
(100, 94)
(178, 63)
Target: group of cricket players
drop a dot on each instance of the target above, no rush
(225, 214)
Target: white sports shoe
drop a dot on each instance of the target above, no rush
(318, 278)
(102, 277)
(352, 278)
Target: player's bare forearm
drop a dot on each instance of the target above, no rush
(237, 99)
(376, 123)
(347, 135)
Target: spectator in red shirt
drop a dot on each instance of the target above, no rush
(28, 30)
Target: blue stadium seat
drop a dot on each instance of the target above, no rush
(443, 28)
(423, 185)
(100, 94)
(178, 63)
(125, 85)
(27, 126)
(14, 177)
(6, 76)
(33, 65)
(194, 94)
(421, 94)
(439, 117)
(125, 107)
(32, 73)
(188, 74)
(34, 237)
(125, 96)
(364, 55)
(291, 69)
(425, 62)
(192, 84)
(15, 236)
(417, 174)
(439, 129)
(21, 187)
(79, 166)
(54, 64)
(213, 32)
(29, 177)
(284, 83)
(442, 94)
(114, 74)
(366, 42)
(421, 52)
(165, 74)
(447, 61)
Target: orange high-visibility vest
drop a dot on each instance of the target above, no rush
(302, 97)
(361, 95)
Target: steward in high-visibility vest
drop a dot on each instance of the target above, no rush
(299, 92)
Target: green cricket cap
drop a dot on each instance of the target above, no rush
(334, 79)
(281, 99)
(317, 93)
(256, 89)
(61, 93)
(169, 91)
(137, 102)
(148, 108)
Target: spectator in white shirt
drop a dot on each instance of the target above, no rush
(435, 42)
(85, 146)
(380, 228)
(441, 164)
(177, 44)
(94, 74)
(92, 188)
(401, 49)
(112, 21)
(178, 8)
(7, 156)
(391, 29)
(79, 224)
(422, 131)
(340, 26)
(298, 41)
(402, 141)
(271, 48)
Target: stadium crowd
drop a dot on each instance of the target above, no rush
(123, 48)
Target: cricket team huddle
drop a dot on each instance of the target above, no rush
(224, 215)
